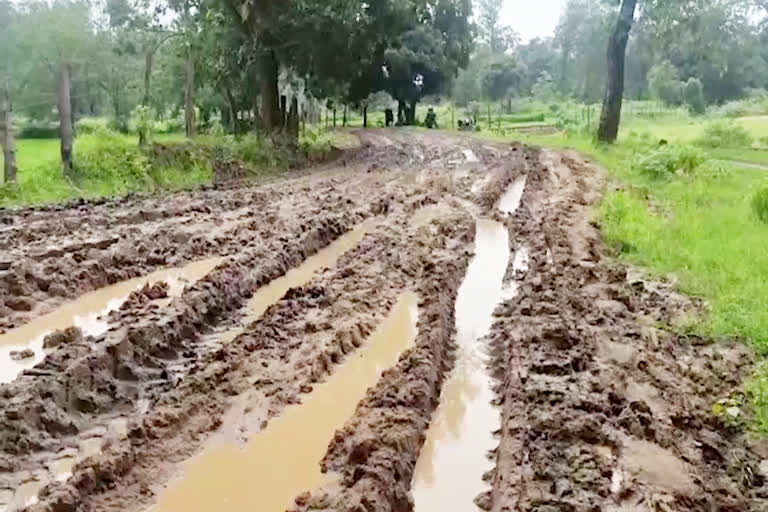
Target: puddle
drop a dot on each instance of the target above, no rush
(510, 200)
(449, 471)
(24, 496)
(470, 156)
(282, 461)
(86, 313)
(275, 290)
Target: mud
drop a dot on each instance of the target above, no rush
(288, 374)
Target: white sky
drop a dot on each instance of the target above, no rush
(532, 18)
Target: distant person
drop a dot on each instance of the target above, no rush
(389, 117)
(431, 119)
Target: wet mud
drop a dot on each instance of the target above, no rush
(287, 371)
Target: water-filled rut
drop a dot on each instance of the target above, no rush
(284, 459)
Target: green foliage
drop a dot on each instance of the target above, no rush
(760, 204)
(664, 83)
(143, 121)
(722, 134)
(756, 104)
(38, 130)
(91, 125)
(757, 392)
(544, 89)
(669, 159)
(693, 95)
(501, 77)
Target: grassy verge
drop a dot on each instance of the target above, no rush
(700, 228)
(109, 164)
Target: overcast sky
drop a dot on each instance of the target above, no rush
(532, 18)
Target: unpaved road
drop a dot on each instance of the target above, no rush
(429, 323)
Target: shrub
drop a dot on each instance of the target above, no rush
(764, 141)
(722, 134)
(760, 204)
(39, 131)
(693, 94)
(143, 121)
(89, 125)
(668, 159)
(109, 160)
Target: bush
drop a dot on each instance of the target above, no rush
(760, 204)
(143, 121)
(90, 125)
(722, 134)
(693, 94)
(668, 159)
(39, 131)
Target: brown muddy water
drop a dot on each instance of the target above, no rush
(510, 201)
(453, 459)
(88, 314)
(283, 460)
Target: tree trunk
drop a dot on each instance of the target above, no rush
(365, 116)
(412, 113)
(293, 121)
(334, 116)
(149, 58)
(232, 109)
(614, 89)
(6, 136)
(401, 113)
(189, 85)
(283, 112)
(64, 103)
(270, 97)
(344, 119)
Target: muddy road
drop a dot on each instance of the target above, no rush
(428, 323)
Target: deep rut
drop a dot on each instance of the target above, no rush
(195, 399)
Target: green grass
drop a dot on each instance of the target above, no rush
(109, 164)
(701, 229)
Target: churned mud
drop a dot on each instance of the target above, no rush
(428, 323)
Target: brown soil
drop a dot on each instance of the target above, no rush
(603, 406)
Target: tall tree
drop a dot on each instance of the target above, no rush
(65, 45)
(498, 37)
(7, 61)
(610, 117)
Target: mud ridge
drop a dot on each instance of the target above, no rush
(79, 383)
(263, 370)
(376, 451)
(602, 410)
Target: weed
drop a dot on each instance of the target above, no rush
(760, 204)
(669, 159)
(723, 134)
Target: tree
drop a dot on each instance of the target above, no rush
(693, 92)
(664, 83)
(499, 38)
(502, 75)
(610, 116)
(63, 47)
(7, 59)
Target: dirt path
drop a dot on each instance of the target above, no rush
(294, 354)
